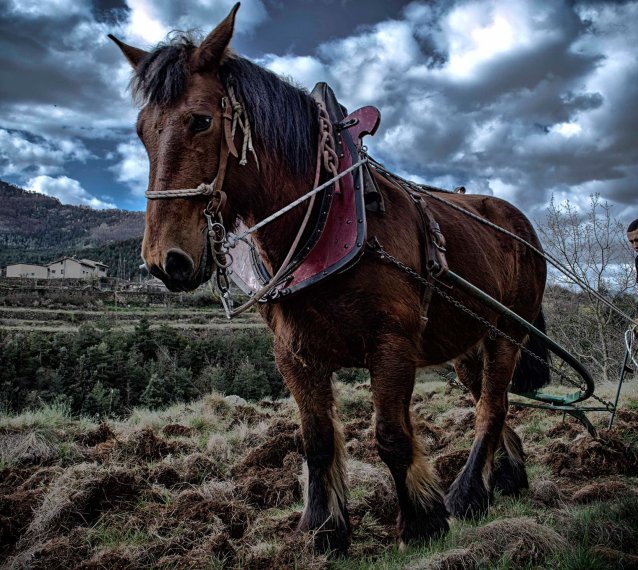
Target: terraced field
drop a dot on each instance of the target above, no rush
(69, 320)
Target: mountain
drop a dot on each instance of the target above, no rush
(35, 228)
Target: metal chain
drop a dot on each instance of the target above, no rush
(450, 378)
(222, 259)
(493, 329)
(427, 190)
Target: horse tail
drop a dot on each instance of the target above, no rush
(531, 374)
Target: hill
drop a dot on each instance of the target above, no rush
(35, 228)
(215, 484)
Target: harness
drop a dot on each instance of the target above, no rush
(347, 191)
(343, 190)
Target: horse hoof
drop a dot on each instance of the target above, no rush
(422, 525)
(510, 478)
(467, 501)
(328, 539)
(334, 543)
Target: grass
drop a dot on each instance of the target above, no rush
(108, 534)
(151, 511)
(44, 420)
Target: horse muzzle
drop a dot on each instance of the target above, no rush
(178, 271)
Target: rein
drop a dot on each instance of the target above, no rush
(428, 191)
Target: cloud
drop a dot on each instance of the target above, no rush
(47, 8)
(149, 22)
(132, 169)
(518, 99)
(67, 190)
(21, 154)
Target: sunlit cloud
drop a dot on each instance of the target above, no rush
(67, 190)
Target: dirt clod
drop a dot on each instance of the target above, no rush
(587, 457)
(449, 465)
(602, 491)
(100, 434)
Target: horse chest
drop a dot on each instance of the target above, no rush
(331, 334)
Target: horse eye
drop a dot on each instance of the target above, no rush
(200, 123)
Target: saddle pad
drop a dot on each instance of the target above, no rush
(343, 237)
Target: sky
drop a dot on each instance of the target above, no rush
(525, 100)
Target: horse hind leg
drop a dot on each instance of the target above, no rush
(471, 492)
(325, 513)
(422, 513)
(509, 475)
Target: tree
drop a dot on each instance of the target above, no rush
(593, 246)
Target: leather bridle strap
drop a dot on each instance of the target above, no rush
(230, 109)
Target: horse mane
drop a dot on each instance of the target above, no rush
(161, 77)
(283, 116)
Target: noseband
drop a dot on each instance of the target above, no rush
(233, 115)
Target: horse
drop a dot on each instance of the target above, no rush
(371, 315)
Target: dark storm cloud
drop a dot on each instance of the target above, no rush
(522, 99)
(299, 27)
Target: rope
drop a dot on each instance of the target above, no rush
(548, 257)
(232, 238)
(244, 125)
(202, 190)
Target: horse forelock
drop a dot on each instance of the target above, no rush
(283, 116)
(161, 78)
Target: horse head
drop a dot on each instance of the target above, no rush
(182, 124)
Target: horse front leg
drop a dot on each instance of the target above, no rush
(325, 512)
(422, 512)
(470, 494)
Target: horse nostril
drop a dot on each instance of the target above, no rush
(178, 265)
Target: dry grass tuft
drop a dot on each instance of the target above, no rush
(454, 559)
(82, 492)
(521, 540)
(28, 448)
(374, 489)
(65, 551)
(547, 493)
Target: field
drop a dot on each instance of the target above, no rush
(122, 318)
(217, 484)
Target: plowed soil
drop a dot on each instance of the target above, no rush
(178, 495)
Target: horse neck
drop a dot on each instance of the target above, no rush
(276, 189)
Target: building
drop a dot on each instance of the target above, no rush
(71, 268)
(65, 268)
(27, 270)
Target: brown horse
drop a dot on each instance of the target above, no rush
(373, 315)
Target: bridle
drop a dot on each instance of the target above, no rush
(221, 241)
(232, 112)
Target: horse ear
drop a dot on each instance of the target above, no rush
(213, 48)
(133, 54)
